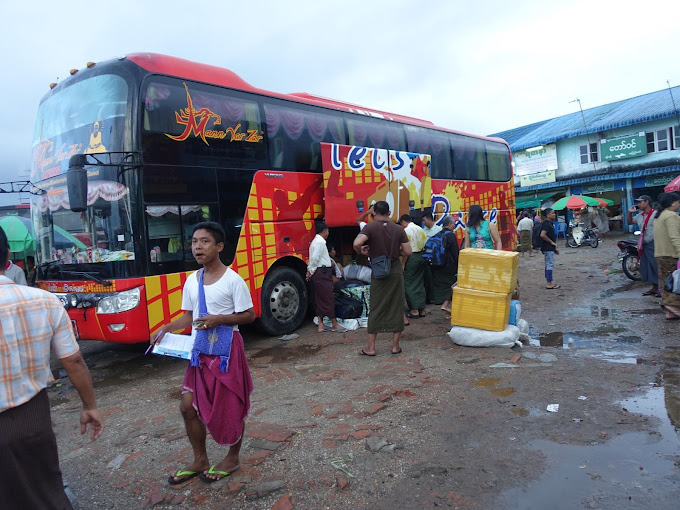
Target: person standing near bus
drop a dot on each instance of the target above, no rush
(33, 323)
(430, 228)
(414, 269)
(649, 270)
(481, 233)
(378, 238)
(524, 228)
(549, 247)
(212, 398)
(320, 273)
(15, 273)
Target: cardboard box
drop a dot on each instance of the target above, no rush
(480, 309)
(489, 270)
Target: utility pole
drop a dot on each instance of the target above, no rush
(586, 128)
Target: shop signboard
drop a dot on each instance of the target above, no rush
(537, 178)
(623, 147)
(597, 187)
(658, 180)
(535, 160)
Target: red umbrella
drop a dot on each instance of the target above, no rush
(674, 185)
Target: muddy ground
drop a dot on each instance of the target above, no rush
(436, 426)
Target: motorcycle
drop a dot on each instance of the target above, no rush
(578, 236)
(630, 263)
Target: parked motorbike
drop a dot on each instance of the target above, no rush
(630, 263)
(579, 236)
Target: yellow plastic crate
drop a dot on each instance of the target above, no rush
(489, 270)
(480, 309)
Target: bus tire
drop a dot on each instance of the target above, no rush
(284, 301)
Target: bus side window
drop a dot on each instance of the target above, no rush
(164, 233)
(294, 135)
(370, 132)
(434, 143)
(469, 158)
(498, 159)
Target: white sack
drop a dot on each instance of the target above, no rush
(473, 337)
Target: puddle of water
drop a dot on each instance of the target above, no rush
(286, 353)
(503, 392)
(623, 288)
(488, 381)
(634, 470)
(583, 339)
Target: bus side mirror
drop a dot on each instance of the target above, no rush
(76, 183)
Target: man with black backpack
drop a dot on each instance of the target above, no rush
(441, 254)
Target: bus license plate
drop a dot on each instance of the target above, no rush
(75, 328)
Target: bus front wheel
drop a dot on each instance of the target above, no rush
(284, 301)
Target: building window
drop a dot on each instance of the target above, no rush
(662, 140)
(651, 146)
(591, 156)
(658, 141)
(676, 137)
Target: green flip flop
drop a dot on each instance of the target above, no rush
(213, 471)
(181, 472)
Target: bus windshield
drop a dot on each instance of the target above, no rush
(90, 117)
(103, 233)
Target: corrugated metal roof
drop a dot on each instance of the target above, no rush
(636, 110)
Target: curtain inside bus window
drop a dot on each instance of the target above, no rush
(434, 143)
(370, 132)
(469, 161)
(197, 124)
(498, 160)
(294, 135)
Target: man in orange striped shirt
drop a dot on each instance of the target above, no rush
(32, 322)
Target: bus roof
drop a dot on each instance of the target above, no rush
(181, 68)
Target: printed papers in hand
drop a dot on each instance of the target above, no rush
(177, 346)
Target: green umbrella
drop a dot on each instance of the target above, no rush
(20, 238)
(575, 202)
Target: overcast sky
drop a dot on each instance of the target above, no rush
(479, 67)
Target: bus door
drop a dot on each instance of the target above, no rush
(356, 177)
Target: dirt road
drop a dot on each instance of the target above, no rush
(435, 426)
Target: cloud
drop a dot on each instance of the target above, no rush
(478, 67)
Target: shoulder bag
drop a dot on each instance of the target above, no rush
(215, 341)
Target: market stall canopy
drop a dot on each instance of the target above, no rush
(532, 202)
(673, 186)
(604, 202)
(575, 202)
(18, 234)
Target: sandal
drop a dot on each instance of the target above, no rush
(411, 316)
(554, 287)
(649, 293)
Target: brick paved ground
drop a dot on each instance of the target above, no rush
(433, 426)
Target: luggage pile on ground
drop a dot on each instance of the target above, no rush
(481, 304)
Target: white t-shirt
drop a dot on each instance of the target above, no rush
(16, 274)
(525, 224)
(227, 295)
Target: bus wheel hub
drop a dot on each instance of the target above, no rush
(284, 301)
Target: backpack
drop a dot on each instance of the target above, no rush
(347, 307)
(434, 252)
(536, 240)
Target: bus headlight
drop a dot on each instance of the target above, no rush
(120, 302)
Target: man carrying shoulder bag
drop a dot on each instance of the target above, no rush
(384, 241)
